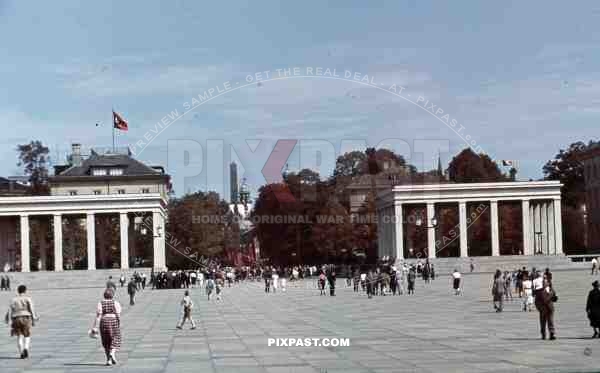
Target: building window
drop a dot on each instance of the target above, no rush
(116, 171)
(97, 192)
(145, 190)
(99, 172)
(121, 191)
(72, 192)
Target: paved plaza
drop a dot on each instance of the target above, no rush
(432, 331)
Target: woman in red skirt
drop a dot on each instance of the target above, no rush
(108, 316)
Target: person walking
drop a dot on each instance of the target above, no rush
(394, 281)
(370, 284)
(108, 318)
(187, 305)
(210, 285)
(537, 283)
(592, 308)
(275, 278)
(322, 280)
(412, 276)
(22, 317)
(507, 285)
(527, 291)
(594, 266)
(456, 281)
(122, 279)
(131, 290)
(498, 291)
(219, 284)
(363, 281)
(111, 285)
(283, 281)
(544, 302)
(331, 279)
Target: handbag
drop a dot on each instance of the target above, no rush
(93, 333)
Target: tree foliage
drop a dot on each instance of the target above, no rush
(33, 157)
(469, 167)
(199, 224)
(567, 167)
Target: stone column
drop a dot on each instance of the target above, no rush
(527, 249)
(551, 230)
(462, 218)
(25, 245)
(495, 228)
(44, 247)
(399, 228)
(380, 234)
(58, 241)
(159, 241)
(124, 225)
(430, 230)
(90, 222)
(544, 227)
(537, 224)
(558, 226)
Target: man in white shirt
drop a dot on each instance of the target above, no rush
(594, 266)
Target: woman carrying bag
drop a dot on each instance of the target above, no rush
(108, 318)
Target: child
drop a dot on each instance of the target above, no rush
(22, 317)
(322, 283)
(528, 290)
(456, 283)
(187, 305)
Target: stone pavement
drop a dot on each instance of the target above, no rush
(432, 331)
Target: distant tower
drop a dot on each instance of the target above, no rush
(440, 172)
(233, 183)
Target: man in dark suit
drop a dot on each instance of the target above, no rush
(544, 302)
(131, 290)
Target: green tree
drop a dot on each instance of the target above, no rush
(199, 224)
(567, 167)
(33, 157)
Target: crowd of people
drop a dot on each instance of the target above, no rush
(531, 287)
(534, 288)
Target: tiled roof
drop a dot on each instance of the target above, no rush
(131, 167)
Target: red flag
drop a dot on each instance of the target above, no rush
(119, 122)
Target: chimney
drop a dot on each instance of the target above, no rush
(76, 155)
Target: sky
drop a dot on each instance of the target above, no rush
(517, 80)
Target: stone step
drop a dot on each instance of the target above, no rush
(70, 279)
(504, 263)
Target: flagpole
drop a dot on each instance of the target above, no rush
(113, 128)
